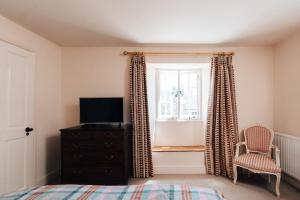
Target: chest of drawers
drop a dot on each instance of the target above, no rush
(95, 155)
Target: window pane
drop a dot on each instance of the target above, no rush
(181, 102)
(193, 79)
(168, 101)
(189, 99)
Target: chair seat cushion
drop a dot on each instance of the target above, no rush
(257, 162)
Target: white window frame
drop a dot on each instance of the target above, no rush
(178, 118)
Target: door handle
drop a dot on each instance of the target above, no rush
(28, 130)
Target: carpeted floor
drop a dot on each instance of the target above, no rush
(253, 188)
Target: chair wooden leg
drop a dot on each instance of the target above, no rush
(269, 178)
(235, 173)
(277, 184)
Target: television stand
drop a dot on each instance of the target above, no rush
(96, 154)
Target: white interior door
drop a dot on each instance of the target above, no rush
(17, 149)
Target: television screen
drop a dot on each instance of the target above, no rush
(101, 110)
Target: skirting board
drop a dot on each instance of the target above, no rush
(49, 178)
(292, 181)
(171, 169)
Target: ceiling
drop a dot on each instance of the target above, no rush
(164, 22)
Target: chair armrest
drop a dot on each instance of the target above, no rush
(237, 151)
(277, 154)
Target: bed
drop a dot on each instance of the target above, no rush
(130, 192)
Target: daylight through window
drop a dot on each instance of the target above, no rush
(179, 94)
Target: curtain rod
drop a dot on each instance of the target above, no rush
(179, 53)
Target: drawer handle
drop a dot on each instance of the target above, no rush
(77, 156)
(109, 157)
(108, 133)
(108, 171)
(76, 135)
(108, 144)
(77, 172)
(76, 146)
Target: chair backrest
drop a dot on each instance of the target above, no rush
(258, 139)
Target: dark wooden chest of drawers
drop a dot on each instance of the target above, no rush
(95, 155)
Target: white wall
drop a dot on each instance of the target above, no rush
(185, 133)
(287, 82)
(90, 72)
(47, 93)
(178, 162)
(103, 71)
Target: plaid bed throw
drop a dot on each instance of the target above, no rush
(130, 192)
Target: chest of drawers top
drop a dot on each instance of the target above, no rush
(93, 132)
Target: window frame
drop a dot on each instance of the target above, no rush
(158, 88)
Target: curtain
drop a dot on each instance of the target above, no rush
(142, 155)
(222, 126)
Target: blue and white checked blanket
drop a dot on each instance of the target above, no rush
(130, 192)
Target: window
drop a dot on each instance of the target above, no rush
(179, 94)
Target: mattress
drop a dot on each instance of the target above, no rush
(130, 192)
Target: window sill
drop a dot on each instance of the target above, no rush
(179, 121)
(197, 148)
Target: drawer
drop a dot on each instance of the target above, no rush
(108, 134)
(92, 145)
(92, 157)
(92, 173)
(86, 135)
(75, 135)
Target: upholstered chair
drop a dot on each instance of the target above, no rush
(258, 157)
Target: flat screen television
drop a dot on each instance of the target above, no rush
(101, 110)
